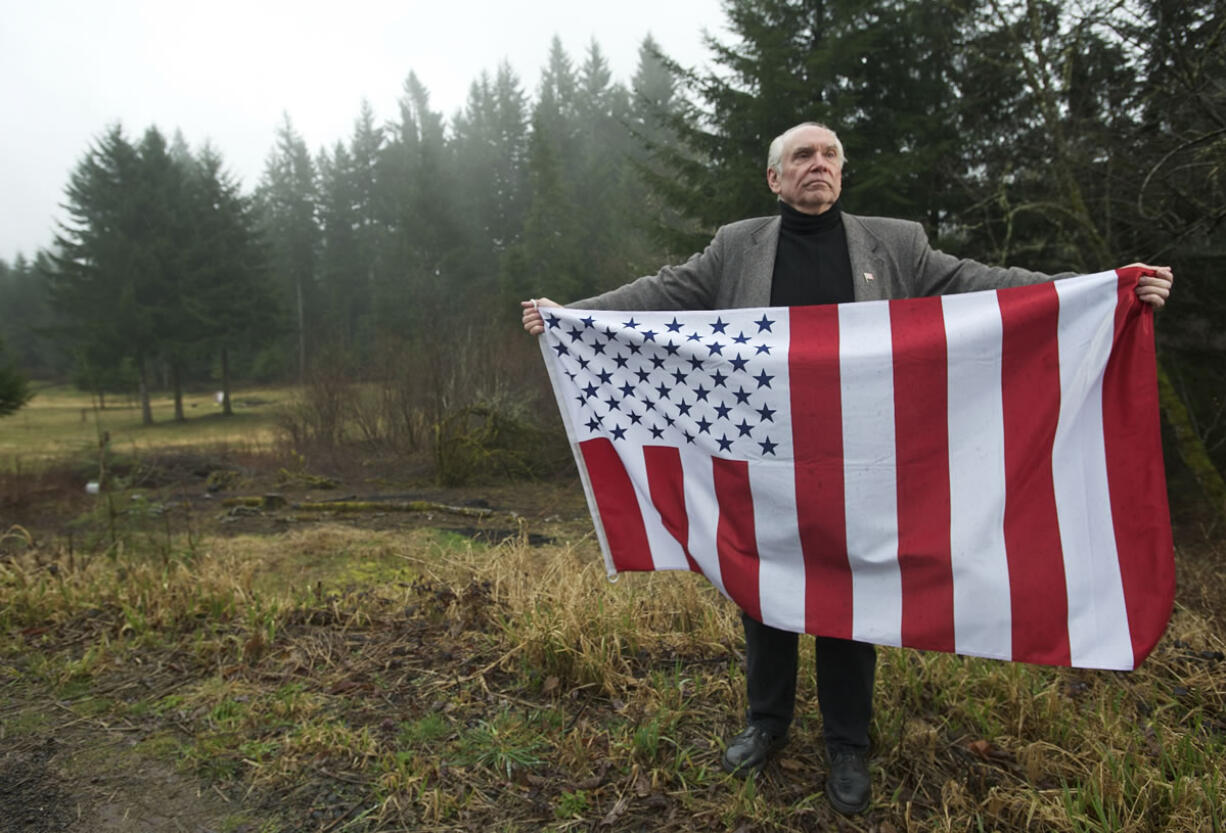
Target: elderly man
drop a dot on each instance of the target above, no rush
(812, 253)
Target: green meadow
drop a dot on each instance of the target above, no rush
(61, 421)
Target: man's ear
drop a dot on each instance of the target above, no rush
(772, 180)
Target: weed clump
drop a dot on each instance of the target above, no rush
(487, 441)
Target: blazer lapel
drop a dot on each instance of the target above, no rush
(868, 266)
(759, 266)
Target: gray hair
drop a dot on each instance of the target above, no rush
(774, 156)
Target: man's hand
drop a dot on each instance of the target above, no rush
(1154, 287)
(532, 316)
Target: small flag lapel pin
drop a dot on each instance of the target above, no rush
(868, 276)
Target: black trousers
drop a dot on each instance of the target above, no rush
(845, 673)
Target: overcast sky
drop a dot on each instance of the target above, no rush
(226, 70)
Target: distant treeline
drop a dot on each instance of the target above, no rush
(1022, 132)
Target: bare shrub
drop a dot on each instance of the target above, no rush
(475, 398)
(487, 410)
(389, 412)
(318, 417)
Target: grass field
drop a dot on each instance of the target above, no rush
(317, 673)
(61, 422)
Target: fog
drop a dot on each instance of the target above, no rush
(225, 73)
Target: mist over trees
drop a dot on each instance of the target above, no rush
(159, 262)
(1023, 132)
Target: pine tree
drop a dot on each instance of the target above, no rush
(490, 149)
(105, 284)
(288, 200)
(365, 273)
(549, 258)
(163, 283)
(416, 291)
(654, 105)
(344, 299)
(24, 316)
(229, 300)
(14, 387)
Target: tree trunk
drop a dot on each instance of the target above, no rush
(177, 386)
(225, 382)
(146, 410)
(1189, 444)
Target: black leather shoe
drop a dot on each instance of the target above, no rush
(848, 787)
(748, 751)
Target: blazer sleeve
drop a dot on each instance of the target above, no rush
(939, 273)
(690, 285)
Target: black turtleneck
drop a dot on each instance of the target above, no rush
(811, 265)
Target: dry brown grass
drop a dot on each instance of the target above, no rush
(339, 679)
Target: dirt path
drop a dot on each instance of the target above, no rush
(77, 778)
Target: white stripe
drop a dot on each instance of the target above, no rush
(772, 482)
(1097, 617)
(703, 511)
(870, 484)
(983, 623)
(666, 552)
(781, 569)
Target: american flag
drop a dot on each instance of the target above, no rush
(977, 473)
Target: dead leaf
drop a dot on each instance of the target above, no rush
(982, 748)
(619, 809)
(551, 683)
(791, 764)
(597, 778)
(642, 786)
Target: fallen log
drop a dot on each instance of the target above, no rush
(395, 506)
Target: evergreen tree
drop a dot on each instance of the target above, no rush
(365, 274)
(604, 187)
(654, 106)
(24, 315)
(104, 281)
(549, 257)
(345, 301)
(14, 387)
(415, 291)
(288, 199)
(230, 301)
(163, 281)
(489, 149)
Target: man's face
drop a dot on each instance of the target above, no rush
(812, 178)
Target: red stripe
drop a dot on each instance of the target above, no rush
(1030, 382)
(921, 443)
(735, 538)
(817, 443)
(666, 480)
(1135, 476)
(619, 508)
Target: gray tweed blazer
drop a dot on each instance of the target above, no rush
(889, 259)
